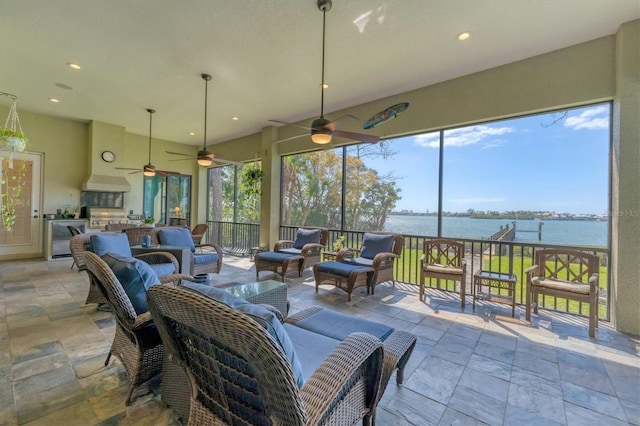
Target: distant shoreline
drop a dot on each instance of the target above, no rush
(540, 216)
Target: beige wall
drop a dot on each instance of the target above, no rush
(625, 203)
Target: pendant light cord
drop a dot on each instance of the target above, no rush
(206, 78)
(324, 26)
(150, 120)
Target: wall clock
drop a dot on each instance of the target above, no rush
(108, 156)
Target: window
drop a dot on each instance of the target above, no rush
(466, 182)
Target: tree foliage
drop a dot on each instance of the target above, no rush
(312, 192)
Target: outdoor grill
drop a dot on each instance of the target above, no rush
(100, 216)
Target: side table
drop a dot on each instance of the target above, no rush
(502, 284)
(329, 256)
(255, 250)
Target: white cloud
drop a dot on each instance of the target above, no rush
(463, 136)
(591, 119)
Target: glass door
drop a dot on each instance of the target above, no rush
(167, 199)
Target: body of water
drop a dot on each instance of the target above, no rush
(559, 232)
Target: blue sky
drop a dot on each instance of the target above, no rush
(546, 162)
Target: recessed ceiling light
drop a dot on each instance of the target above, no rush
(73, 65)
(464, 36)
(234, 118)
(54, 100)
(192, 133)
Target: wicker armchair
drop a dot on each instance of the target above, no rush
(208, 250)
(136, 343)
(382, 262)
(119, 226)
(134, 235)
(197, 233)
(79, 244)
(240, 375)
(310, 252)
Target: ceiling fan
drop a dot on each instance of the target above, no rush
(322, 129)
(148, 169)
(205, 158)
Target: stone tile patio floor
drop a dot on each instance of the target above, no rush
(468, 368)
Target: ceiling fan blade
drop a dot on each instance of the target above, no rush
(136, 172)
(356, 136)
(183, 159)
(290, 138)
(219, 159)
(178, 153)
(331, 126)
(290, 124)
(128, 168)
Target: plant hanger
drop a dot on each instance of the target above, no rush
(205, 157)
(322, 129)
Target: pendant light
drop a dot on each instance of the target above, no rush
(149, 169)
(319, 134)
(205, 158)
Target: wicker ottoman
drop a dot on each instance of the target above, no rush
(343, 275)
(280, 263)
(398, 344)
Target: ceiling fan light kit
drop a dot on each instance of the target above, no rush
(323, 130)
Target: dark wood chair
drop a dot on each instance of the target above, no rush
(564, 274)
(443, 259)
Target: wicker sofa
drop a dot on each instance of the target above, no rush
(254, 369)
(314, 333)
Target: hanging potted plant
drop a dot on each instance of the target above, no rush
(251, 186)
(12, 183)
(252, 180)
(12, 139)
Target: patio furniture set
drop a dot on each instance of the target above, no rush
(317, 366)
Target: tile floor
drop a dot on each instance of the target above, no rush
(468, 368)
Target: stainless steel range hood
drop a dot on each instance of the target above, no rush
(104, 183)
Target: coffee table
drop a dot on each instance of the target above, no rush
(182, 254)
(269, 292)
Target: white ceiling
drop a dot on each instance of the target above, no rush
(265, 55)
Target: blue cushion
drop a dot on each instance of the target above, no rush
(272, 256)
(337, 268)
(360, 261)
(307, 236)
(162, 269)
(373, 244)
(200, 258)
(292, 250)
(102, 243)
(262, 315)
(135, 276)
(178, 237)
(337, 325)
(312, 348)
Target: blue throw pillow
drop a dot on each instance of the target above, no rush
(307, 236)
(261, 315)
(135, 276)
(373, 244)
(178, 237)
(103, 242)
